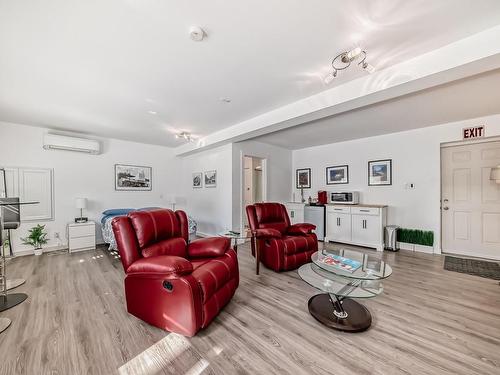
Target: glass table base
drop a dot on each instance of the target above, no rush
(14, 283)
(357, 317)
(4, 324)
(11, 300)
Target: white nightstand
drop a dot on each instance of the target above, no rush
(81, 236)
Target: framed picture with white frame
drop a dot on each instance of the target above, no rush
(197, 180)
(210, 179)
(133, 177)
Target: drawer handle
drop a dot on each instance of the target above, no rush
(364, 210)
(338, 209)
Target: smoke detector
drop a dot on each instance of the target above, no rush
(196, 33)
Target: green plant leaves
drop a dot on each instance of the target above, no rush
(36, 237)
(416, 236)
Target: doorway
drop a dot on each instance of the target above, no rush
(253, 183)
(470, 201)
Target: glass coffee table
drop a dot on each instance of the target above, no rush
(336, 308)
(245, 235)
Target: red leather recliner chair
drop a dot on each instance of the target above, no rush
(280, 246)
(170, 284)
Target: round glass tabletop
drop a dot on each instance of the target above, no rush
(363, 266)
(340, 286)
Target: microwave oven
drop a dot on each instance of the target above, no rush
(351, 197)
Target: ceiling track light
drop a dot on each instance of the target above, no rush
(344, 60)
(184, 135)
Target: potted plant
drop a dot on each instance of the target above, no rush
(36, 238)
(5, 245)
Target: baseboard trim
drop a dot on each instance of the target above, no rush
(49, 249)
(416, 248)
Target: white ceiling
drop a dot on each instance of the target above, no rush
(464, 99)
(98, 67)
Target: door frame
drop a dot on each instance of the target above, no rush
(242, 179)
(495, 138)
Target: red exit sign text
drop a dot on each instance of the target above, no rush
(475, 132)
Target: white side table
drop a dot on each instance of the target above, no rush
(81, 236)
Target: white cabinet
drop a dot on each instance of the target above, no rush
(361, 225)
(295, 212)
(338, 224)
(365, 230)
(81, 236)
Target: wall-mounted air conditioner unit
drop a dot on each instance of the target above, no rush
(61, 142)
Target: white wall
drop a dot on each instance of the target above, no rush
(210, 207)
(415, 158)
(277, 177)
(218, 209)
(82, 175)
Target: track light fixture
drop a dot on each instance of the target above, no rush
(185, 135)
(344, 60)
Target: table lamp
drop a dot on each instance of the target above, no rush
(81, 203)
(172, 200)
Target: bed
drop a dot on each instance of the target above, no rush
(108, 216)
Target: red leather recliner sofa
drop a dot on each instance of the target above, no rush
(280, 246)
(172, 285)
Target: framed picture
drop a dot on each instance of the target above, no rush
(303, 178)
(197, 180)
(380, 172)
(210, 179)
(338, 174)
(133, 177)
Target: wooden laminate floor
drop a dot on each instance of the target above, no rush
(427, 321)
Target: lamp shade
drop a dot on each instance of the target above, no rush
(81, 203)
(495, 174)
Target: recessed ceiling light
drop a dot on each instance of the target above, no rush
(225, 100)
(152, 112)
(196, 33)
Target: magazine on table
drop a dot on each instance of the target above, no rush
(344, 264)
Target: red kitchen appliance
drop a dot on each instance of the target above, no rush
(322, 197)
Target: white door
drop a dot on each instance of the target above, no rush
(470, 200)
(365, 229)
(31, 185)
(338, 227)
(35, 185)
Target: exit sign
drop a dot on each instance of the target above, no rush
(474, 132)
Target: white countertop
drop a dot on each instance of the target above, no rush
(359, 205)
(345, 205)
